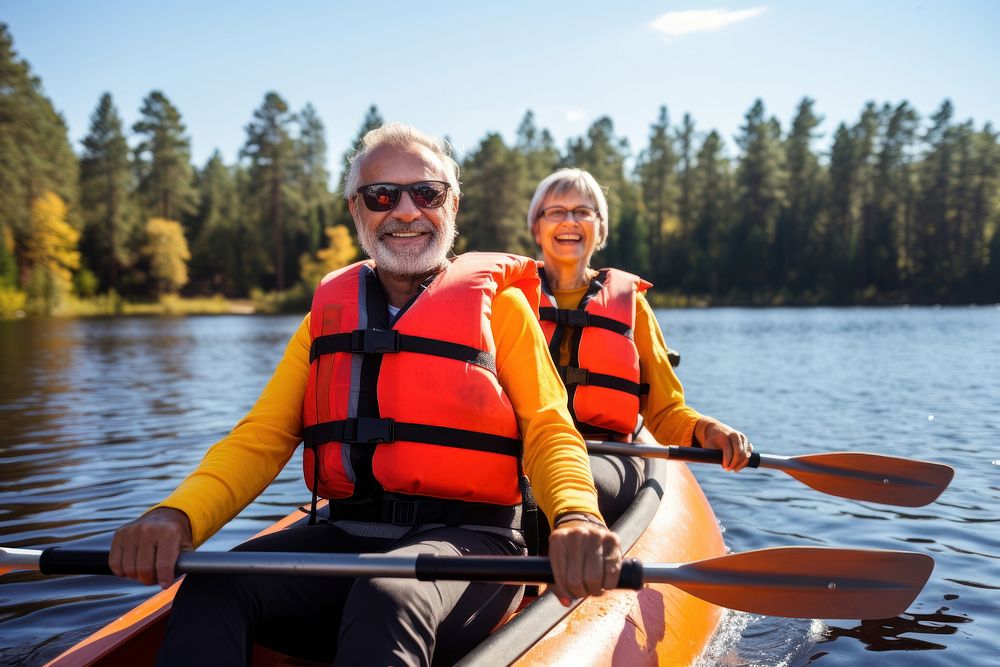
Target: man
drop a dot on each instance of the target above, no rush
(415, 381)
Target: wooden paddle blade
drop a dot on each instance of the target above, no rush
(805, 582)
(872, 477)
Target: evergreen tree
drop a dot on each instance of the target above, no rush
(490, 217)
(227, 254)
(35, 154)
(539, 150)
(656, 171)
(892, 194)
(712, 206)
(761, 180)
(865, 136)
(314, 178)
(105, 185)
(933, 244)
(273, 166)
(163, 160)
(603, 155)
(795, 242)
(839, 218)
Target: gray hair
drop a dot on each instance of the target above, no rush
(399, 136)
(571, 180)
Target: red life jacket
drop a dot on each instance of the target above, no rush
(602, 378)
(412, 406)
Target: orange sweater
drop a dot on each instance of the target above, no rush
(241, 465)
(668, 418)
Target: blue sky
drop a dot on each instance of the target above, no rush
(462, 69)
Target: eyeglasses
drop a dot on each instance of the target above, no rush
(580, 214)
(381, 197)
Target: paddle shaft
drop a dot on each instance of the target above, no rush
(425, 567)
(799, 582)
(877, 478)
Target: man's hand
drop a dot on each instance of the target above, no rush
(735, 446)
(147, 549)
(586, 559)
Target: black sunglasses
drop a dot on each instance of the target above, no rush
(381, 197)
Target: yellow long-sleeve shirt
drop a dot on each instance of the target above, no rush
(666, 415)
(241, 465)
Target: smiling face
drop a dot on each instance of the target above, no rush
(570, 243)
(408, 240)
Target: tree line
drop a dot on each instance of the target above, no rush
(897, 209)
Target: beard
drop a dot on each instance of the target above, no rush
(408, 261)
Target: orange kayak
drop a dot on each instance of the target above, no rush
(669, 520)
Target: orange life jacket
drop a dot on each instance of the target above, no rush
(412, 406)
(602, 378)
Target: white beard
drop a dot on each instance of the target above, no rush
(409, 261)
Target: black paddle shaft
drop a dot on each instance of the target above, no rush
(425, 567)
(699, 455)
(529, 569)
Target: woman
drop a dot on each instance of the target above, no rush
(607, 344)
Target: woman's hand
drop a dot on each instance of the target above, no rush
(736, 448)
(147, 549)
(586, 559)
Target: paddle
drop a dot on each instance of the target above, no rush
(891, 480)
(798, 582)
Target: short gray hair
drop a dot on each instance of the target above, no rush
(566, 180)
(399, 136)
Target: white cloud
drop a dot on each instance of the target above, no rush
(675, 24)
(574, 115)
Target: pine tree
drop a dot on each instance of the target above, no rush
(273, 167)
(490, 218)
(105, 185)
(314, 178)
(795, 242)
(227, 254)
(163, 160)
(603, 155)
(656, 171)
(760, 179)
(712, 208)
(35, 154)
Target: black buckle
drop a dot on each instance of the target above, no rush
(369, 430)
(404, 512)
(574, 318)
(574, 375)
(374, 341)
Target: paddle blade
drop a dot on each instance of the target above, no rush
(872, 477)
(806, 582)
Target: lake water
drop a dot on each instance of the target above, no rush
(101, 418)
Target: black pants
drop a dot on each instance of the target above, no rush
(216, 619)
(617, 479)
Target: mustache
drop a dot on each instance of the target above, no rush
(393, 226)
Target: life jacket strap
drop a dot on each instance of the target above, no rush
(571, 375)
(373, 431)
(575, 317)
(404, 510)
(375, 341)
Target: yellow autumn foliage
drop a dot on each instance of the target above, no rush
(339, 252)
(51, 253)
(168, 254)
(51, 247)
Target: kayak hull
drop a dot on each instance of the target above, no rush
(671, 521)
